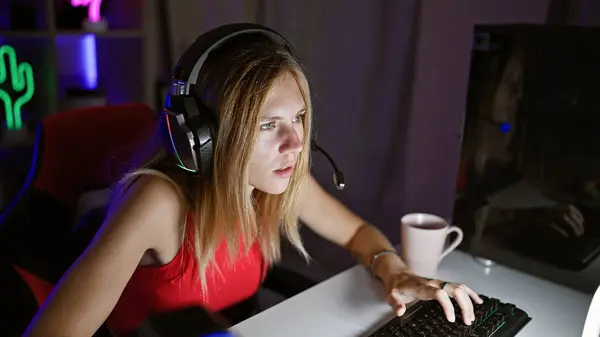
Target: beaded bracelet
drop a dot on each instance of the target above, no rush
(376, 256)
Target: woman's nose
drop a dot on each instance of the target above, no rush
(291, 143)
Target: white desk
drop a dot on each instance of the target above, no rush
(351, 304)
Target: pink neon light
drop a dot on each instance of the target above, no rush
(93, 8)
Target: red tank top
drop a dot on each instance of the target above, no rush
(176, 285)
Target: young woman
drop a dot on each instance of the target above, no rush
(172, 239)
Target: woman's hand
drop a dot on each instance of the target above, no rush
(569, 221)
(404, 287)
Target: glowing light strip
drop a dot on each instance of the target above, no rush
(180, 163)
(88, 43)
(93, 8)
(89, 61)
(21, 79)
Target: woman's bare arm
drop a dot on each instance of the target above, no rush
(150, 211)
(333, 221)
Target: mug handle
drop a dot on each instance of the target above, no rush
(455, 243)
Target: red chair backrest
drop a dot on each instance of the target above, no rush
(77, 143)
(72, 151)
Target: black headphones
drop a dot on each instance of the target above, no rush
(191, 126)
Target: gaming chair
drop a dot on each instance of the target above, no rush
(37, 244)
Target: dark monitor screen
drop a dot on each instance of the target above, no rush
(528, 192)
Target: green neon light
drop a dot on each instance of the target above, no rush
(21, 77)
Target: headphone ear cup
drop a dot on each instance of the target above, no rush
(192, 130)
(205, 126)
(181, 141)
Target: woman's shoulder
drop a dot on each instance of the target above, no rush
(155, 188)
(155, 200)
(182, 182)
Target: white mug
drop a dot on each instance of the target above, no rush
(423, 239)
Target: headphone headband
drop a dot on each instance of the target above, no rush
(187, 69)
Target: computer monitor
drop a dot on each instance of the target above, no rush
(528, 192)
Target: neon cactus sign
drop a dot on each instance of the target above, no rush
(93, 8)
(20, 77)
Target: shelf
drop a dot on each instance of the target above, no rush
(40, 34)
(24, 34)
(129, 33)
(51, 37)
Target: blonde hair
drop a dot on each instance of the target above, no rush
(234, 84)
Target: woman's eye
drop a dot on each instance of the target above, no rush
(267, 126)
(299, 118)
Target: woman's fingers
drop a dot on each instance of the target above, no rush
(442, 297)
(400, 309)
(472, 294)
(398, 301)
(579, 220)
(573, 218)
(430, 290)
(427, 291)
(465, 304)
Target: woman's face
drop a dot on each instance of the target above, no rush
(280, 136)
(505, 105)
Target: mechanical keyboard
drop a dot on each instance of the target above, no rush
(493, 318)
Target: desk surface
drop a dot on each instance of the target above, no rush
(351, 304)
